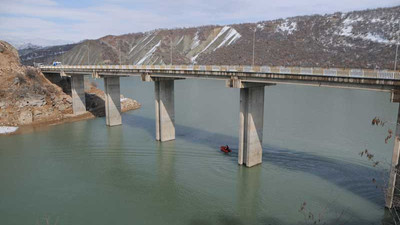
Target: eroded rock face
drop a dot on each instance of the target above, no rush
(27, 96)
(32, 100)
(25, 117)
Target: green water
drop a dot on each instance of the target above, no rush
(87, 173)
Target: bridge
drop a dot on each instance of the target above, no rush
(251, 80)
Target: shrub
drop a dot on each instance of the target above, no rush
(19, 79)
(31, 73)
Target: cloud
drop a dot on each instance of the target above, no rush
(75, 20)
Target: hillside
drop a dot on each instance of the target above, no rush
(360, 39)
(25, 94)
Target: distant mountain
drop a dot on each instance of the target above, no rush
(46, 55)
(23, 43)
(359, 39)
(28, 46)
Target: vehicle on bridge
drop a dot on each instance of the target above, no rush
(57, 64)
(38, 64)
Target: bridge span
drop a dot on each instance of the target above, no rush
(251, 80)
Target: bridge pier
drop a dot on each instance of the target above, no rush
(165, 109)
(78, 94)
(251, 126)
(392, 192)
(112, 101)
(164, 106)
(251, 121)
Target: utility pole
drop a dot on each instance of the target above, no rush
(119, 49)
(170, 52)
(397, 48)
(62, 55)
(254, 40)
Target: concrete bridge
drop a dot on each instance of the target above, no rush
(251, 80)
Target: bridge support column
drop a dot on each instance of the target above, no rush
(78, 94)
(251, 126)
(251, 120)
(112, 101)
(165, 109)
(392, 192)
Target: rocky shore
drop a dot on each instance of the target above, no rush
(28, 98)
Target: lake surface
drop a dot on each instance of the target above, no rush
(87, 173)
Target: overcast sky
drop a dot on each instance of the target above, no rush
(73, 20)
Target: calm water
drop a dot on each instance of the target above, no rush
(87, 173)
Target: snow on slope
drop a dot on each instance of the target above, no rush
(348, 27)
(231, 36)
(196, 41)
(287, 26)
(149, 53)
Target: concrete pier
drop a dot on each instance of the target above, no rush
(393, 187)
(165, 109)
(112, 101)
(78, 94)
(251, 125)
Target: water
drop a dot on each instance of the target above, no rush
(87, 173)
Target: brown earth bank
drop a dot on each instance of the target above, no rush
(28, 98)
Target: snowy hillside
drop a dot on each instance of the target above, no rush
(361, 39)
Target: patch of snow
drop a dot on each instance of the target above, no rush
(287, 26)
(155, 60)
(139, 43)
(350, 20)
(221, 32)
(260, 26)
(348, 28)
(149, 53)
(143, 46)
(377, 20)
(196, 41)
(180, 40)
(374, 38)
(7, 130)
(232, 33)
(346, 31)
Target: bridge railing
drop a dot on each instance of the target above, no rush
(312, 71)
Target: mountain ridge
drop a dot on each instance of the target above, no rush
(357, 39)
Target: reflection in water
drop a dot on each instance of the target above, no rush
(114, 137)
(166, 164)
(248, 196)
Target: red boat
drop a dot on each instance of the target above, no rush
(225, 149)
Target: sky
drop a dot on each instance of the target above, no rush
(47, 22)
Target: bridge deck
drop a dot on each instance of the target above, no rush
(347, 78)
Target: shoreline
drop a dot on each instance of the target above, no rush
(66, 118)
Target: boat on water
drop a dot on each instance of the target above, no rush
(225, 149)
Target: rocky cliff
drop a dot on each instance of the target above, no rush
(28, 97)
(360, 39)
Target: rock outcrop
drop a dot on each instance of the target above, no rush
(28, 97)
